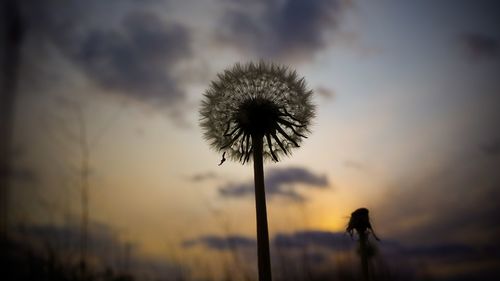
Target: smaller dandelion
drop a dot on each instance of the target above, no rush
(360, 222)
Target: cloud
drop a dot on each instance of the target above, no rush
(325, 92)
(124, 49)
(221, 243)
(279, 183)
(480, 46)
(321, 250)
(335, 241)
(339, 241)
(439, 250)
(136, 61)
(202, 177)
(290, 28)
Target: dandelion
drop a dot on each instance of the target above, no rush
(360, 222)
(262, 111)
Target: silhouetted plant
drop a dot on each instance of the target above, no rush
(360, 222)
(13, 30)
(247, 104)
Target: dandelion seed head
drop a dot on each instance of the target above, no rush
(251, 101)
(360, 222)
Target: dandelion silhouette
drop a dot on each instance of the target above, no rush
(360, 222)
(246, 105)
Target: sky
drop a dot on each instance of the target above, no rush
(407, 98)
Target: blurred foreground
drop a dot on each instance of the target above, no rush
(48, 252)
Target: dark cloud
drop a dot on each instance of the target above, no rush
(136, 60)
(319, 248)
(279, 183)
(124, 49)
(439, 251)
(290, 28)
(222, 243)
(480, 46)
(336, 241)
(480, 263)
(340, 241)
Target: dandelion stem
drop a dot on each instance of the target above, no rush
(363, 251)
(263, 256)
